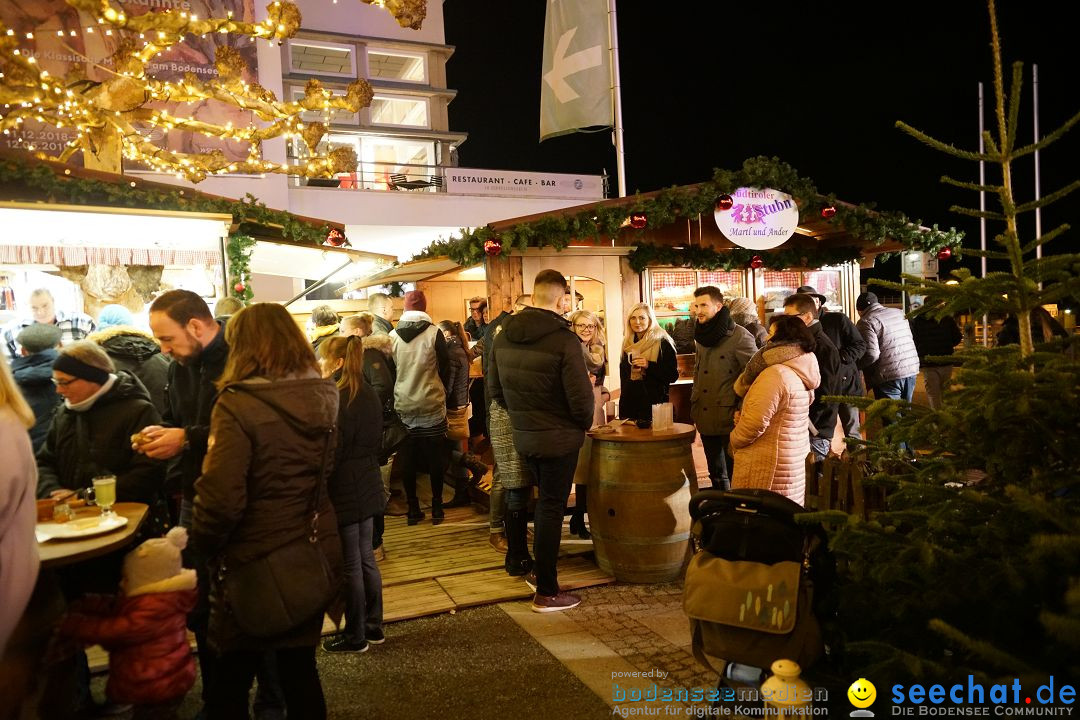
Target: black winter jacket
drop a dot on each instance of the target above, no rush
(934, 338)
(823, 414)
(97, 441)
(138, 353)
(379, 371)
(33, 375)
(355, 487)
(638, 396)
(457, 384)
(849, 343)
(190, 397)
(537, 372)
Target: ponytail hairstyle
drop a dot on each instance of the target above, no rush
(352, 372)
(457, 330)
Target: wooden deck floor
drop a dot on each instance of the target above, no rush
(430, 569)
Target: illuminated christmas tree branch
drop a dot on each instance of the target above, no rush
(112, 116)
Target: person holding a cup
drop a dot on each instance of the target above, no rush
(648, 365)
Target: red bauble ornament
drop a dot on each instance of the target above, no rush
(756, 262)
(336, 238)
(638, 220)
(944, 253)
(828, 212)
(493, 246)
(239, 287)
(724, 202)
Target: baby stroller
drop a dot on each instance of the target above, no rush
(755, 586)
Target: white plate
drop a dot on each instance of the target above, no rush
(80, 528)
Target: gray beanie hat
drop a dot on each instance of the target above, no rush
(38, 337)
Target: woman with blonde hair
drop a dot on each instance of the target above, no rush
(648, 365)
(263, 490)
(18, 514)
(591, 334)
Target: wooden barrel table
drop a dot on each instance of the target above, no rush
(639, 496)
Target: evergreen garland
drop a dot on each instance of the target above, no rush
(670, 204)
(248, 213)
(238, 262)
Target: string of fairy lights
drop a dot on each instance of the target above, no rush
(122, 115)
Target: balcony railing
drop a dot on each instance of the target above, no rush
(382, 176)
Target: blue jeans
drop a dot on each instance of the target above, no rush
(720, 463)
(363, 582)
(899, 389)
(554, 476)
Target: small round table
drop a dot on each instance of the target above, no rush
(639, 501)
(54, 553)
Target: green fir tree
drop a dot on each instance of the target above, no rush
(974, 566)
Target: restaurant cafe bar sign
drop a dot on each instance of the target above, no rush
(758, 218)
(508, 183)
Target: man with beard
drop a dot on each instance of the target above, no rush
(723, 349)
(189, 334)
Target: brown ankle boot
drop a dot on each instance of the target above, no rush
(498, 541)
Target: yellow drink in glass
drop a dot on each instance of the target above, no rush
(105, 493)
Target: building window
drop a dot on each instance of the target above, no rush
(399, 111)
(314, 57)
(397, 66)
(337, 117)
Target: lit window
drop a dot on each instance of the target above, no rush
(337, 117)
(396, 65)
(400, 111)
(312, 57)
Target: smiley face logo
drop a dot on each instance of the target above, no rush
(862, 693)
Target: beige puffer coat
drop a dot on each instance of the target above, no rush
(772, 438)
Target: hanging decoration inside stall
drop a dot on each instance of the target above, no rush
(122, 103)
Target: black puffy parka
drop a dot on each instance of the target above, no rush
(355, 486)
(538, 373)
(133, 350)
(97, 441)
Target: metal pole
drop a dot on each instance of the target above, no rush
(318, 284)
(982, 207)
(616, 98)
(1038, 211)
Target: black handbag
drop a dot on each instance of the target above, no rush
(289, 585)
(394, 434)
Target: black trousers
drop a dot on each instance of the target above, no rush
(554, 476)
(297, 673)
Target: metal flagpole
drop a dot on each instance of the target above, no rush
(616, 98)
(1038, 211)
(982, 207)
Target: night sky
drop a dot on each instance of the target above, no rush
(706, 86)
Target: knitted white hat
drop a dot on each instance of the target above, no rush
(156, 566)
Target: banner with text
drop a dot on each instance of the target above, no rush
(509, 183)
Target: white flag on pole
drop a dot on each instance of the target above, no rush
(575, 90)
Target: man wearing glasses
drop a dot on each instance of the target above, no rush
(476, 325)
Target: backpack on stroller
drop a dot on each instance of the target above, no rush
(750, 587)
